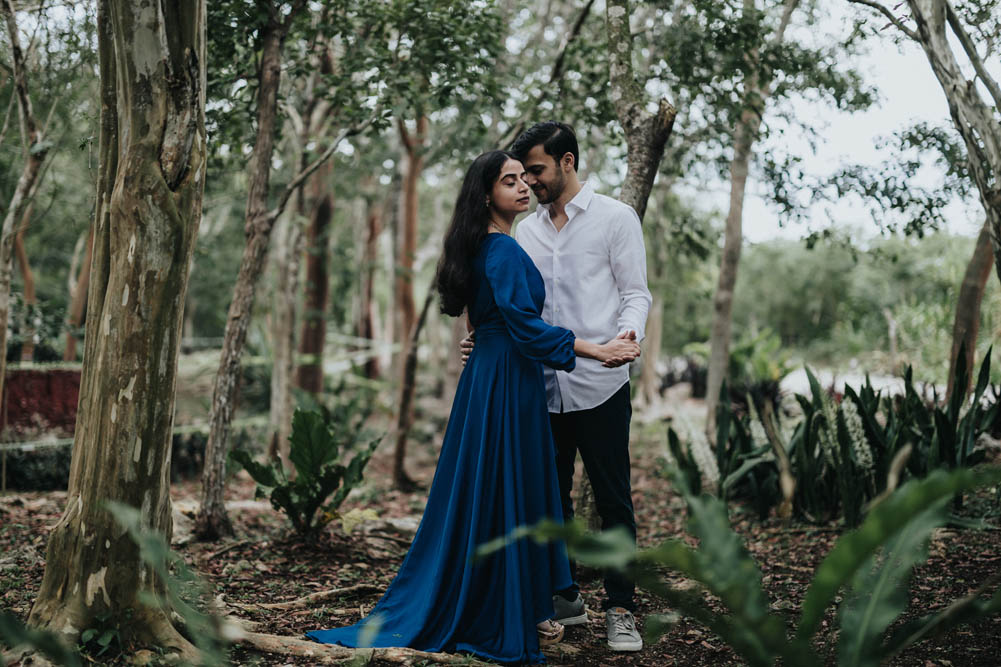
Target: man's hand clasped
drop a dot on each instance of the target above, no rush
(620, 350)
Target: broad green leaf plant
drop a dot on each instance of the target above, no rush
(870, 565)
(319, 444)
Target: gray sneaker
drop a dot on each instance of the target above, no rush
(569, 612)
(621, 629)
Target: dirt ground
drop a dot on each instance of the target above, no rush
(264, 563)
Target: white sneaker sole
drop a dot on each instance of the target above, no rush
(573, 620)
(623, 646)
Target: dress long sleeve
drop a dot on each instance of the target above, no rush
(508, 270)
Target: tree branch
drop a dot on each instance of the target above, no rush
(555, 76)
(971, 52)
(301, 177)
(787, 9)
(888, 14)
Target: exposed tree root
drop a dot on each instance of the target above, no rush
(331, 654)
(308, 600)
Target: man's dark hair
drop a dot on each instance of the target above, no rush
(557, 140)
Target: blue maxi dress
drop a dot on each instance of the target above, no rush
(496, 471)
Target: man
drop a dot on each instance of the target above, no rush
(589, 250)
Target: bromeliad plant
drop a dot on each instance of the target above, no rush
(871, 565)
(319, 443)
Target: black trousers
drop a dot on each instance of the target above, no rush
(601, 435)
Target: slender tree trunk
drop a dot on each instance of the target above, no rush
(309, 374)
(212, 521)
(24, 192)
(370, 256)
(28, 346)
(413, 152)
(756, 94)
(413, 146)
(78, 299)
(733, 239)
(405, 418)
(152, 152)
(288, 253)
(971, 293)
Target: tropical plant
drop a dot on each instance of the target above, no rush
(841, 453)
(319, 442)
(871, 564)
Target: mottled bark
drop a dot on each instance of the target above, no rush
(405, 416)
(150, 184)
(212, 521)
(31, 171)
(646, 133)
(966, 324)
(755, 95)
(28, 279)
(309, 373)
(78, 298)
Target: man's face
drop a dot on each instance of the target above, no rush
(543, 175)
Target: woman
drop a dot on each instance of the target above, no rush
(496, 470)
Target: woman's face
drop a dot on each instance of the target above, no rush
(510, 192)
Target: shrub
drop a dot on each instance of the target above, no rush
(319, 441)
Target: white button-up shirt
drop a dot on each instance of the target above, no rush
(595, 275)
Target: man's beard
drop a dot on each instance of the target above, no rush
(552, 190)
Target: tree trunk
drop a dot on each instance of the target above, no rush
(309, 374)
(284, 315)
(408, 331)
(971, 293)
(975, 120)
(413, 147)
(646, 133)
(28, 335)
(212, 521)
(649, 389)
(150, 184)
(78, 299)
(755, 95)
(720, 336)
(370, 256)
(405, 418)
(24, 192)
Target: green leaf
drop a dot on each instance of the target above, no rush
(879, 590)
(14, 633)
(264, 475)
(888, 518)
(87, 635)
(311, 443)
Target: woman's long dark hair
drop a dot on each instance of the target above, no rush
(466, 231)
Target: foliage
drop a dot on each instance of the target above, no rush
(758, 363)
(184, 593)
(843, 453)
(16, 635)
(873, 564)
(319, 442)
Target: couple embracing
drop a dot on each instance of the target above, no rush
(556, 316)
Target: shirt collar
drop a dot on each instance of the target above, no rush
(580, 202)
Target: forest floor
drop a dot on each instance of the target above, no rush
(265, 564)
